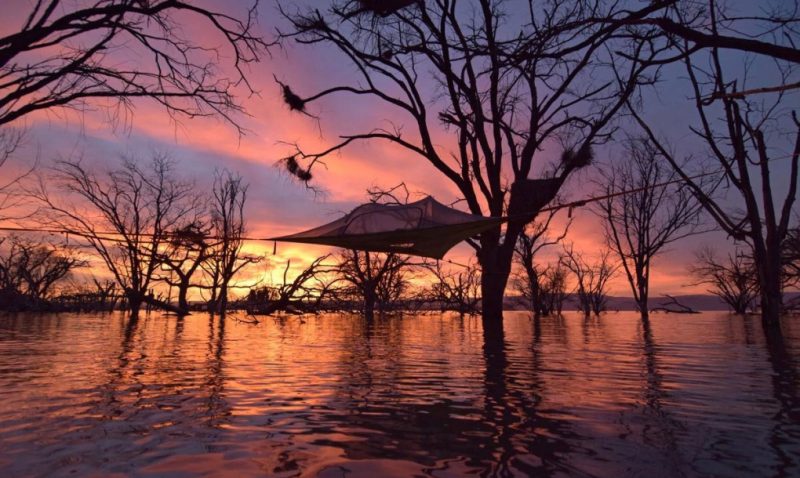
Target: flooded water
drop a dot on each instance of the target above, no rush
(705, 395)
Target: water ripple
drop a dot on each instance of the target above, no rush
(706, 395)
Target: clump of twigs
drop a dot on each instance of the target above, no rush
(382, 8)
(576, 159)
(292, 100)
(293, 167)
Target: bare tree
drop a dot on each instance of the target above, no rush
(184, 254)
(553, 288)
(742, 143)
(29, 270)
(591, 279)
(457, 289)
(228, 226)
(305, 291)
(529, 283)
(376, 279)
(124, 215)
(643, 213)
(506, 93)
(733, 279)
(65, 55)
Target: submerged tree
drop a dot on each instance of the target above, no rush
(376, 279)
(30, 269)
(184, 254)
(530, 283)
(457, 289)
(65, 56)
(591, 279)
(228, 226)
(733, 279)
(125, 216)
(305, 292)
(643, 212)
(742, 132)
(553, 288)
(506, 89)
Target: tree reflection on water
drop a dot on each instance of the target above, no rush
(334, 395)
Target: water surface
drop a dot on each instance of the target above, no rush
(331, 396)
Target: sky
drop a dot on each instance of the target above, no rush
(277, 204)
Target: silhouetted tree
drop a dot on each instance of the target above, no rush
(738, 131)
(184, 254)
(376, 279)
(553, 287)
(457, 288)
(30, 269)
(225, 257)
(733, 279)
(64, 55)
(305, 291)
(591, 279)
(643, 213)
(506, 90)
(125, 215)
(529, 283)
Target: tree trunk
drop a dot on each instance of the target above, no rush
(642, 292)
(644, 310)
(493, 286)
(369, 304)
(134, 302)
(221, 305)
(183, 289)
(768, 263)
(494, 277)
(771, 298)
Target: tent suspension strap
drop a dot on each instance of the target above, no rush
(582, 202)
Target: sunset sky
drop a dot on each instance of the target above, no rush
(277, 204)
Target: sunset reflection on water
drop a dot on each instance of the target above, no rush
(415, 395)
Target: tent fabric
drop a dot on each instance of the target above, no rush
(425, 228)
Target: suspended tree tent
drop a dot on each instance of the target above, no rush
(425, 228)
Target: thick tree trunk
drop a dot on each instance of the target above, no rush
(134, 302)
(183, 290)
(369, 304)
(643, 293)
(221, 305)
(771, 299)
(493, 286)
(768, 263)
(494, 277)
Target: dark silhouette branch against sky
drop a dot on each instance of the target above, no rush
(110, 52)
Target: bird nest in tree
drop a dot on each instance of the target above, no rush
(382, 8)
(294, 102)
(296, 170)
(580, 158)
